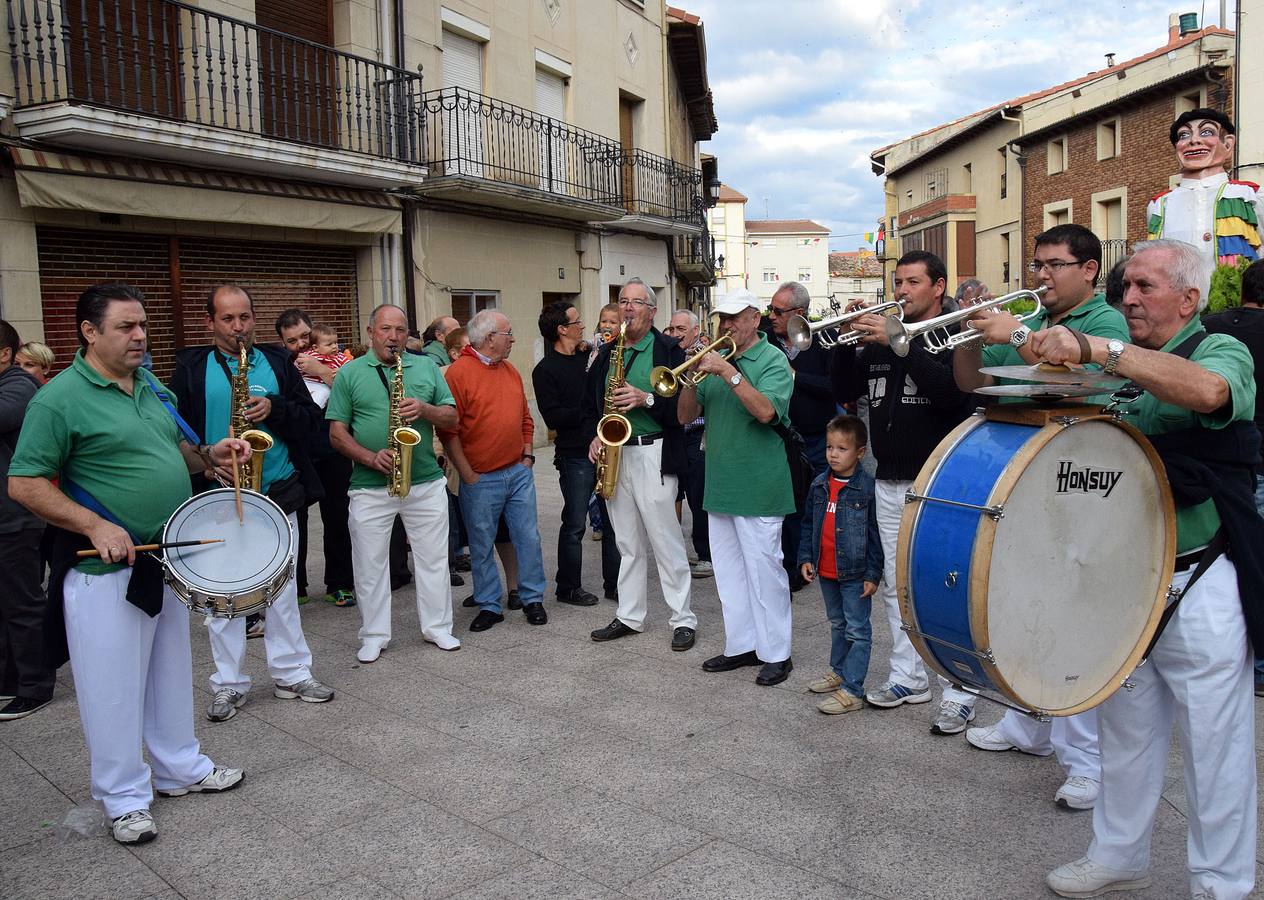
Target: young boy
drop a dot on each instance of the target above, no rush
(325, 349)
(840, 543)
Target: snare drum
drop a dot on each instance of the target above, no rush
(1035, 554)
(240, 576)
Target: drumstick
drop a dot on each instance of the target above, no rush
(140, 548)
(241, 519)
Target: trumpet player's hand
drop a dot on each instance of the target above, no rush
(974, 295)
(714, 364)
(628, 397)
(112, 542)
(383, 461)
(874, 329)
(1059, 347)
(593, 448)
(410, 410)
(997, 326)
(258, 409)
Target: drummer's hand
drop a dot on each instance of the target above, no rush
(874, 329)
(222, 454)
(383, 461)
(112, 542)
(808, 571)
(996, 326)
(258, 409)
(869, 590)
(1059, 346)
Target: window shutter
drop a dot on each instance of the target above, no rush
(462, 63)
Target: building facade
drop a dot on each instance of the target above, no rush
(728, 228)
(780, 250)
(855, 275)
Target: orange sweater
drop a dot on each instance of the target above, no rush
(494, 422)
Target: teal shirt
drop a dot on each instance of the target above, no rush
(361, 401)
(219, 397)
(746, 471)
(438, 353)
(1094, 316)
(638, 361)
(1229, 358)
(123, 449)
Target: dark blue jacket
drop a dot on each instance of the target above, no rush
(857, 545)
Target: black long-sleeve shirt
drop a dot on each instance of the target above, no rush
(913, 402)
(559, 381)
(812, 403)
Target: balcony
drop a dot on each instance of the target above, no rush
(660, 195)
(695, 257)
(483, 152)
(160, 79)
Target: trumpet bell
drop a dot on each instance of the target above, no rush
(799, 331)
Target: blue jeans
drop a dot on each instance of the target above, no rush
(851, 634)
(509, 492)
(576, 476)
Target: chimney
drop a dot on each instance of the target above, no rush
(1110, 60)
(1181, 24)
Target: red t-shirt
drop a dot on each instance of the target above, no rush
(827, 565)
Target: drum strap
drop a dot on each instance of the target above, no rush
(1219, 543)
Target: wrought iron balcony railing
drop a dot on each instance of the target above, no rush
(473, 135)
(1113, 250)
(697, 252)
(657, 186)
(170, 60)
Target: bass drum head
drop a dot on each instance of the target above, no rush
(1079, 565)
(254, 554)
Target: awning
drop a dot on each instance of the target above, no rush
(136, 188)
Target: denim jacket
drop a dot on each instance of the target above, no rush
(857, 546)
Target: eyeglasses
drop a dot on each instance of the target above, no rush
(774, 311)
(639, 304)
(508, 333)
(576, 322)
(1054, 265)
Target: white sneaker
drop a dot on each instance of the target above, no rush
(893, 694)
(369, 652)
(701, 569)
(952, 717)
(309, 690)
(135, 827)
(988, 737)
(221, 778)
(443, 641)
(1077, 792)
(1085, 878)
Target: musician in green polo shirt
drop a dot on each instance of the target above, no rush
(747, 490)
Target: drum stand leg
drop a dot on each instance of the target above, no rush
(986, 656)
(1037, 714)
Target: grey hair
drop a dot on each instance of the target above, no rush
(800, 298)
(378, 309)
(968, 285)
(1189, 268)
(481, 326)
(693, 316)
(649, 291)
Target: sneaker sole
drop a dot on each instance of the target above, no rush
(180, 792)
(144, 838)
(291, 695)
(911, 700)
(1135, 885)
(935, 729)
(1064, 803)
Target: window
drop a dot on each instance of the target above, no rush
(967, 179)
(466, 303)
(717, 215)
(1058, 213)
(1057, 155)
(805, 276)
(857, 285)
(1190, 100)
(770, 276)
(1005, 259)
(1110, 211)
(1004, 173)
(1108, 139)
(936, 184)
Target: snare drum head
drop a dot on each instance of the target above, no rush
(254, 551)
(1077, 568)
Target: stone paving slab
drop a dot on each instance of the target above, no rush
(535, 763)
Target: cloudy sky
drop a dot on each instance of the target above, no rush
(806, 89)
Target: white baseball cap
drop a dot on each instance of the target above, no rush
(734, 302)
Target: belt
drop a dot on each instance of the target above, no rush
(1190, 559)
(645, 439)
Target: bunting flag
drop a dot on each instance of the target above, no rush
(868, 237)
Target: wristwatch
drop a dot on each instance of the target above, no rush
(1019, 336)
(649, 399)
(735, 379)
(1114, 349)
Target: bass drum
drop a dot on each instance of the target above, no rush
(244, 574)
(1035, 554)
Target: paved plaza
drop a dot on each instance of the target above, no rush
(534, 763)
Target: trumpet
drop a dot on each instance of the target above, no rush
(901, 336)
(667, 382)
(800, 331)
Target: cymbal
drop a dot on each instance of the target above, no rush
(1040, 392)
(1043, 373)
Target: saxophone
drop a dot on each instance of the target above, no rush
(400, 439)
(249, 470)
(613, 429)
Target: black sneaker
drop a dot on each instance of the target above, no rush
(456, 580)
(577, 597)
(21, 707)
(463, 562)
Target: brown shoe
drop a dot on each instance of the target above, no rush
(826, 684)
(839, 702)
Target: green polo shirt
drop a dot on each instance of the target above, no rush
(361, 401)
(123, 449)
(437, 352)
(1094, 316)
(1230, 359)
(638, 361)
(746, 471)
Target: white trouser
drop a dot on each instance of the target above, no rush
(643, 512)
(289, 659)
(965, 698)
(1072, 738)
(754, 593)
(425, 515)
(134, 683)
(1199, 677)
(906, 666)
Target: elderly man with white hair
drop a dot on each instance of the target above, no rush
(1197, 407)
(491, 447)
(748, 488)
